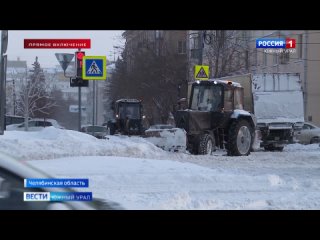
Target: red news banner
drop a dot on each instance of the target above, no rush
(57, 43)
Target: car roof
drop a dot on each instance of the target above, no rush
(44, 120)
(312, 124)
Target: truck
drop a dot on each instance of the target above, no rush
(276, 100)
(216, 118)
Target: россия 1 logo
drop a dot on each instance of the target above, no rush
(275, 43)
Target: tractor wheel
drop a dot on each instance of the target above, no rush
(240, 138)
(279, 149)
(314, 140)
(206, 145)
(111, 129)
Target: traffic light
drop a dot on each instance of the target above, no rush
(78, 81)
(79, 57)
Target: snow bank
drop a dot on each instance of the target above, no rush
(153, 184)
(124, 169)
(51, 143)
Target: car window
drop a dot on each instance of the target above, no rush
(307, 126)
(32, 124)
(43, 124)
(14, 120)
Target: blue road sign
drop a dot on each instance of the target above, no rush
(94, 68)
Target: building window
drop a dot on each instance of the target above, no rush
(238, 60)
(182, 47)
(265, 59)
(247, 59)
(159, 34)
(255, 58)
(275, 59)
(244, 35)
(284, 57)
(310, 118)
(194, 46)
(194, 42)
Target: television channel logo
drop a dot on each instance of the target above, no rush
(276, 43)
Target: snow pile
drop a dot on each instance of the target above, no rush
(153, 184)
(124, 169)
(51, 143)
(300, 147)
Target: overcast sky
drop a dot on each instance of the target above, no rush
(102, 43)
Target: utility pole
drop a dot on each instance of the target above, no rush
(3, 69)
(305, 80)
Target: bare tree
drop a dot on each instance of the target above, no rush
(226, 52)
(15, 77)
(153, 74)
(35, 95)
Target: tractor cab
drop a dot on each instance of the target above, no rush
(127, 117)
(216, 96)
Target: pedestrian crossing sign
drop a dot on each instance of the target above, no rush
(201, 72)
(94, 68)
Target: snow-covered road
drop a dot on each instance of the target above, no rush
(138, 175)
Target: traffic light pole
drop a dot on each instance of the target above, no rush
(79, 105)
(79, 94)
(93, 105)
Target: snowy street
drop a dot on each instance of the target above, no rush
(138, 175)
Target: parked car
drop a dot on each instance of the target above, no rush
(309, 134)
(100, 132)
(12, 119)
(12, 175)
(35, 124)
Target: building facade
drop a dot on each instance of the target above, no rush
(161, 42)
(241, 56)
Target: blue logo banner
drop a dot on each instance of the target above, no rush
(56, 182)
(270, 43)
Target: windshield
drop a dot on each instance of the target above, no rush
(129, 110)
(206, 98)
